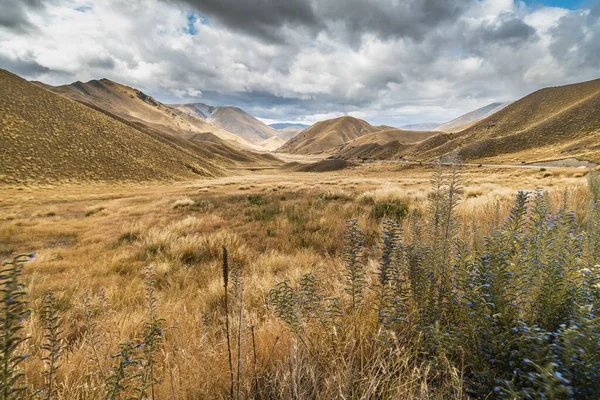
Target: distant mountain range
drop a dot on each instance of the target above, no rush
(549, 124)
(552, 123)
(50, 138)
(343, 133)
(102, 130)
(231, 119)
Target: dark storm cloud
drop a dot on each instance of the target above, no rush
(387, 61)
(389, 18)
(13, 14)
(106, 63)
(352, 18)
(22, 67)
(264, 18)
(576, 39)
(509, 29)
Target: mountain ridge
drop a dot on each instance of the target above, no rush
(50, 138)
(230, 118)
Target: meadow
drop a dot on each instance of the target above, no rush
(381, 281)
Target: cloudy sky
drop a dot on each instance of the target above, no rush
(387, 61)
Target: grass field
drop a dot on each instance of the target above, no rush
(93, 244)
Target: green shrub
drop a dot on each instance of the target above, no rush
(395, 209)
(257, 200)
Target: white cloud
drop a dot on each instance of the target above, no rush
(477, 53)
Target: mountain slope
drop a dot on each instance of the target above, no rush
(48, 138)
(273, 143)
(232, 119)
(381, 144)
(552, 123)
(464, 121)
(288, 130)
(288, 133)
(134, 105)
(325, 136)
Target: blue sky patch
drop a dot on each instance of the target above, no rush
(569, 4)
(192, 18)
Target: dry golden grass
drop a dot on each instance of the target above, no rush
(99, 238)
(48, 138)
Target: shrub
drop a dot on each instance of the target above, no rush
(11, 325)
(257, 200)
(392, 209)
(93, 210)
(182, 203)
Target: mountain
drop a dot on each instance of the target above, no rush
(134, 105)
(325, 136)
(470, 119)
(288, 133)
(232, 119)
(288, 130)
(273, 143)
(425, 126)
(550, 124)
(284, 125)
(381, 144)
(49, 138)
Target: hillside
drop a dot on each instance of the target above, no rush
(381, 144)
(325, 136)
(552, 123)
(48, 138)
(231, 119)
(134, 105)
(273, 143)
(288, 130)
(288, 133)
(469, 119)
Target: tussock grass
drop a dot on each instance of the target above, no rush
(385, 346)
(184, 202)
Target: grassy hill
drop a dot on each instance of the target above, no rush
(381, 144)
(134, 105)
(48, 138)
(326, 136)
(552, 123)
(273, 143)
(288, 133)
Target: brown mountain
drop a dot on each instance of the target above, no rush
(134, 105)
(273, 143)
(552, 123)
(381, 144)
(231, 119)
(326, 136)
(288, 133)
(50, 138)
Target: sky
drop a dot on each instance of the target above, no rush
(392, 62)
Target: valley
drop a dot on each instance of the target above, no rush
(324, 257)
